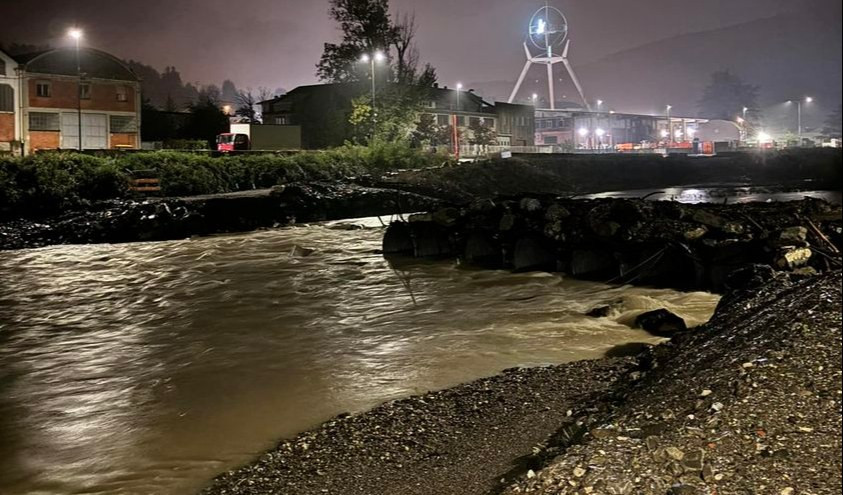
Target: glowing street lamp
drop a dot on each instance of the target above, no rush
(807, 99)
(378, 56)
(599, 104)
(669, 133)
(76, 35)
(456, 133)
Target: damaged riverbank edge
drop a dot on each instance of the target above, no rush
(746, 403)
(127, 220)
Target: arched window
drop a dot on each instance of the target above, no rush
(7, 98)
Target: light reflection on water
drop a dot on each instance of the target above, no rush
(718, 194)
(149, 368)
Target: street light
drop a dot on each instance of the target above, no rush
(456, 134)
(599, 104)
(76, 34)
(371, 59)
(807, 99)
(669, 126)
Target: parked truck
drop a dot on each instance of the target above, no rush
(259, 137)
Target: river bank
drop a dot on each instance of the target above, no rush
(748, 402)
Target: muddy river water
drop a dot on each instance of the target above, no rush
(151, 367)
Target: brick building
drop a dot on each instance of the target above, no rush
(42, 88)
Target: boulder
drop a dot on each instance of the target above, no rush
(707, 218)
(750, 277)
(430, 240)
(530, 204)
(660, 322)
(792, 258)
(446, 217)
(397, 239)
(533, 254)
(793, 236)
(556, 212)
(480, 250)
(599, 311)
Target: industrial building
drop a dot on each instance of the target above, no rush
(51, 98)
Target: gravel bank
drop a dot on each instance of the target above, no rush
(749, 403)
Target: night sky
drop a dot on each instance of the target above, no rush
(276, 43)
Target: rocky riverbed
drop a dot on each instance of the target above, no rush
(747, 403)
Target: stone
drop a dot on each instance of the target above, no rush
(694, 460)
(733, 228)
(484, 204)
(507, 222)
(750, 277)
(793, 258)
(674, 453)
(446, 217)
(707, 218)
(530, 204)
(397, 239)
(607, 229)
(787, 491)
(579, 472)
(599, 311)
(697, 233)
(683, 490)
(480, 250)
(556, 212)
(533, 254)
(793, 236)
(660, 322)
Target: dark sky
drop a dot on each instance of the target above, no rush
(275, 43)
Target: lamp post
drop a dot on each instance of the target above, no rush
(371, 59)
(76, 34)
(669, 127)
(807, 99)
(457, 124)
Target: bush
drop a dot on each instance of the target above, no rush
(47, 183)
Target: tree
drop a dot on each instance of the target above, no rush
(832, 128)
(482, 134)
(366, 27)
(206, 118)
(247, 104)
(426, 130)
(726, 96)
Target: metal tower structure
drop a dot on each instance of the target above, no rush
(548, 33)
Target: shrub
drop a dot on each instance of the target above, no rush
(47, 183)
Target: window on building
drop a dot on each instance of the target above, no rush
(442, 119)
(123, 123)
(551, 140)
(282, 120)
(43, 89)
(474, 121)
(84, 91)
(7, 98)
(43, 121)
(460, 121)
(122, 93)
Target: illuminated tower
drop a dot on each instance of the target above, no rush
(548, 33)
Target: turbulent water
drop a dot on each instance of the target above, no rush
(149, 368)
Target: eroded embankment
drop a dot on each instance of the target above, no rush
(627, 241)
(178, 218)
(747, 403)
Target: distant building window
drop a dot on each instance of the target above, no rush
(122, 93)
(474, 121)
(442, 119)
(123, 123)
(43, 89)
(7, 98)
(551, 140)
(460, 121)
(42, 121)
(281, 120)
(84, 91)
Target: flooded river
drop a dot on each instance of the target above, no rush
(150, 368)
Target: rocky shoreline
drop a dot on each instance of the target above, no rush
(747, 403)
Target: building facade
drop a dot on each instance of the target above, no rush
(322, 112)
(59, 99)
(584, 130)
(10, 125)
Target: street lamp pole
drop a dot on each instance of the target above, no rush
(366, 58)
(76, 34)
(807, 99)
(457, 124)
(669, 128)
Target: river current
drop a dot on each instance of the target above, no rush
(152, 367)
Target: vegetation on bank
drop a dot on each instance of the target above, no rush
(49, 183)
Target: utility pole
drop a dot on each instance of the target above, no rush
(76, 34)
